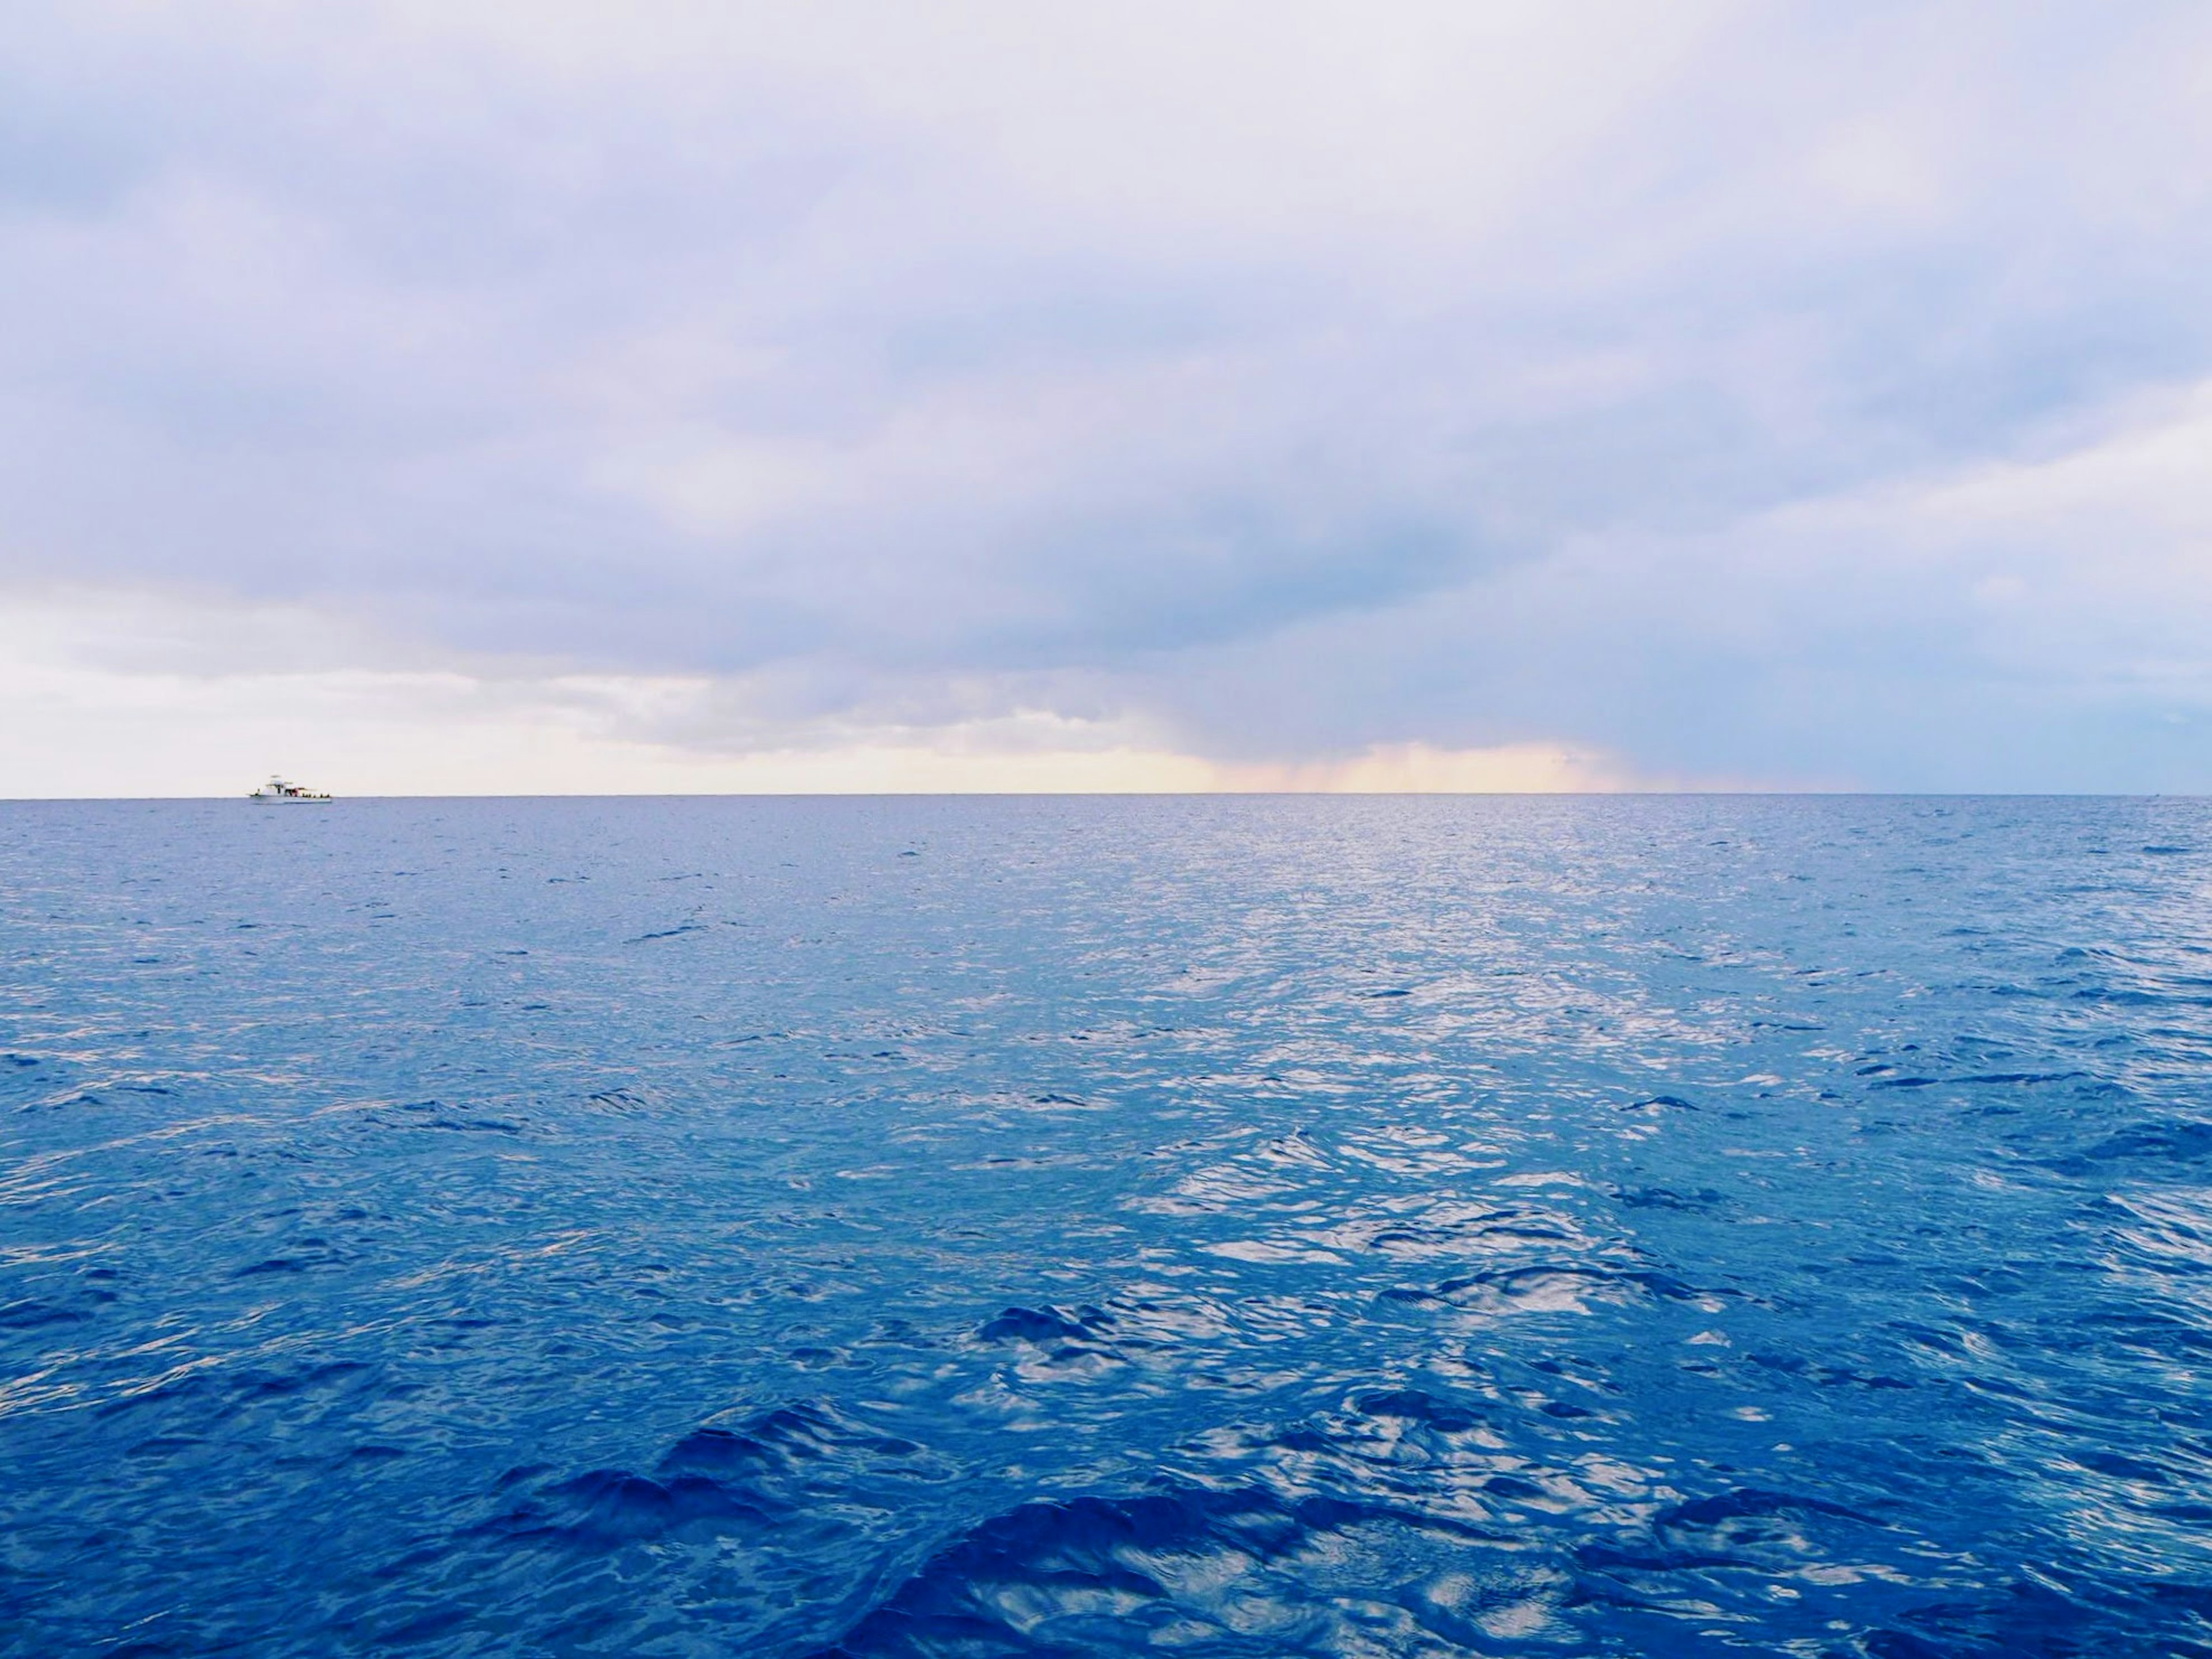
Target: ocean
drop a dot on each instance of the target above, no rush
(1016, 1226)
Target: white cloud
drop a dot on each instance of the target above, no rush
(2150, 476)
(1423, 768)
(180, 697)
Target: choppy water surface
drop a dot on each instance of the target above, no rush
(899, 1227)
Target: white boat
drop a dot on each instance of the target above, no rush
(289, 793)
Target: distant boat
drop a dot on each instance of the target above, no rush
(290, 793)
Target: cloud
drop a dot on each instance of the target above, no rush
(1423, 768)
(164, 699)
(1734, 393)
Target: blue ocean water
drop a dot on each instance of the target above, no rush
(1394, 1226)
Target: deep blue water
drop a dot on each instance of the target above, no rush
(1401, 1226)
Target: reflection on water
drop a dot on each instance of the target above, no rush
(903, 1227)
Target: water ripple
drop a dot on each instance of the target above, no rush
(1385, 1227)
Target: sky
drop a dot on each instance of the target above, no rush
(433, 398)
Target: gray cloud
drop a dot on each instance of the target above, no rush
(1292, 380)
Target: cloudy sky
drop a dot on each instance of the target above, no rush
(453, 396)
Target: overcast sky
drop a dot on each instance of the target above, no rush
(453, 396)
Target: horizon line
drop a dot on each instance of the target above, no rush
(1179, 795)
